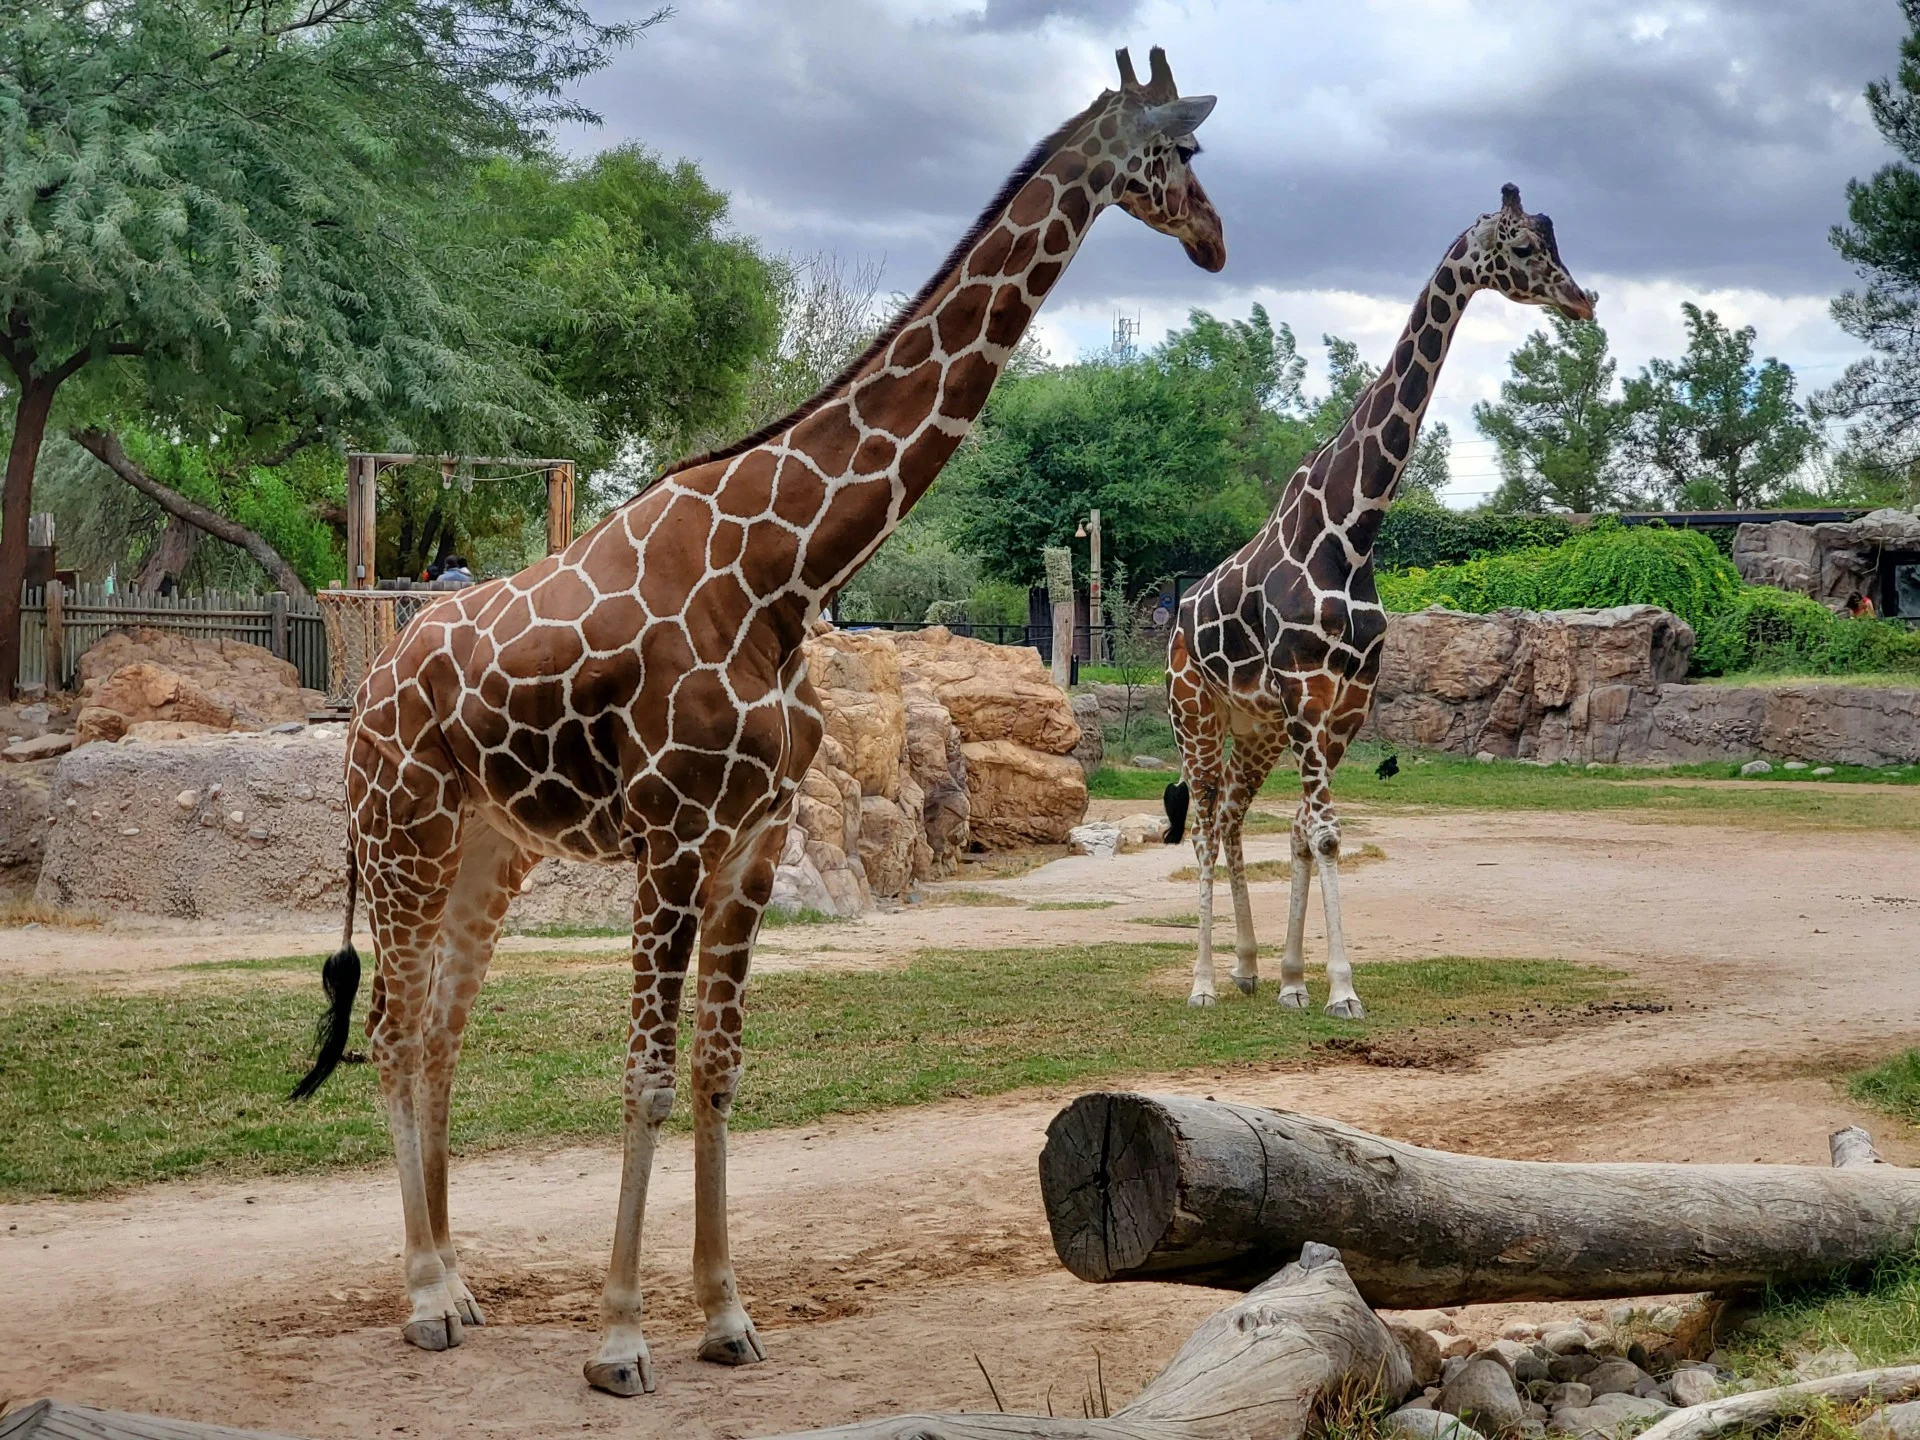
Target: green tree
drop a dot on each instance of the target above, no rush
(1557, 425)
(208, 208)
(1716, 428)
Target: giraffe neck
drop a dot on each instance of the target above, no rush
(842, 476)
(1390, 410)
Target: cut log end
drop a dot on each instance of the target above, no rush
(1109, 1172)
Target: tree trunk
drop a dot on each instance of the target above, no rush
(169, 556)
(1756, 1407)
(1258, 1368)
(30, 413)
(105, 447)
(1168, 1188)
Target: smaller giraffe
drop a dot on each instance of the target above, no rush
(1279, 646)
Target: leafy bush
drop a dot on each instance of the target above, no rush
(1421, 532)
(1739, 626)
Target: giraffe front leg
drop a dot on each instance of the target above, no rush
(1248, 765)
(1323, 840)
(1204, 835)
(735, 902)
(663, 933)
(1293, 964)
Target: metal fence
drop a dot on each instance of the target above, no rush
(289, 626)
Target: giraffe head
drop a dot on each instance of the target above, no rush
(1151, 144)
(1514, 253)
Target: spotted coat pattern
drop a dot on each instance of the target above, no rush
(1279, 647)
(641, 697)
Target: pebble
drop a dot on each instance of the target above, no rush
(129, 829)
(1895, 1422)
(303, 791)
(37, 714)
(1571, 1392)
(1566, 1341)
(1529, 1367)
(286, 727)
(187, 799)
(1485, 757)
(1425, 1320)
(236, 817)
(1148, 762)
(1509, 1353)
(1692, 1387)
(1756, 767)
(1606, 1415)
(1823, 770)
(259, 832)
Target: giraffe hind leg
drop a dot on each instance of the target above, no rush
(1248, 765)
(1201, 735)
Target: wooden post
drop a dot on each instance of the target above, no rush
(277, 607)
(56, 636)
(559, 508)
(369, 571)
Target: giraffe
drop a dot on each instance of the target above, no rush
(642, 697)
(1280, 645)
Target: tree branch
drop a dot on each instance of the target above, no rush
(105, 447)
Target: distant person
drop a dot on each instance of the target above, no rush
(1859, 606)
(456, 571)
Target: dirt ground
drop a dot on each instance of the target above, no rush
(880, 1255)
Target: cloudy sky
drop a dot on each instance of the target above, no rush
(1685, 150)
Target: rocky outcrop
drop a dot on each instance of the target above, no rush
(1605, 685)
(1092, 748)
(940, 769)
(1018, 734)
(144, 693)
(1127, 704)
(1831, 562)
(144, 675)
(1576, 685)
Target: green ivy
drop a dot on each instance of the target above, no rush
(1419, 532)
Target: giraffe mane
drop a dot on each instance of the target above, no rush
(836, 387)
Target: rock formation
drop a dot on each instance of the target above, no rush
(1830, 562)
(192, 686)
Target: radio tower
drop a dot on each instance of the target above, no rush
(1126, 331)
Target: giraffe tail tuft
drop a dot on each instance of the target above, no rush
(1175, 799)
(340, 978)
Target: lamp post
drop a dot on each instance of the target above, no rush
(1089, 530)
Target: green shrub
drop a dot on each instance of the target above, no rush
(1422, 533)
(1738, 626)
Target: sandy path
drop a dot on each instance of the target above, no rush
(880, 1254)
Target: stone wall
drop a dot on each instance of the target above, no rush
(1605, 685)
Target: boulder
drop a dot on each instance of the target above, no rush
(993, 692)
(1020, 796)
(143, 691)
(252, 686)
(1481, 1392)
(857, 676)
(1613, 1377)
(1604, 1418)
(1894, 1422)
(1569, 1392)
(1423, 1352)
(1097, 839)
(40, 747)
(890, 837)
(939, 768)
(1120, 705)
(1692, 1387)
(1423, 1422)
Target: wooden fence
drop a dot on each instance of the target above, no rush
(289, 627)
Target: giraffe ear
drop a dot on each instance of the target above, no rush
(1177, 117)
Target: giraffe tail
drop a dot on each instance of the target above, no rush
(1175, 799)
(340, 978)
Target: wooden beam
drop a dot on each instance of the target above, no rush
(559, 507)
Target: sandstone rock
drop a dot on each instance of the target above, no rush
(1839, 724)
(1420, 1421)
(1454, 1347)
(1423, 1352)
(1097, 839)
(1756, 767)
(886, 846)
(41, 747)
(152, 732)
(1141, 829)
(1482, 1394)
(1894, 1422)
(253, 687)
(1692, 1387)
(1604, 1417)
(857, 676)
(1834, 1360)
(939, 767)
(1425, 1320)
(993, 692)
(1092, 748)
(1021, 797)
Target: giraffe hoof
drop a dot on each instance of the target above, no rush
(1293, 997)
(1201, 1002)
(622, 1377)
(1246, 984)
(465, 1305)
(1348, 1009)
(440, 1333)
(738, 1347)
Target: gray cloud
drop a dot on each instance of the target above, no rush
(1709, 145)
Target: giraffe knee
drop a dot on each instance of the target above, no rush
(1324, 836)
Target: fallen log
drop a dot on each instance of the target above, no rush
(1899, 1382)
(1258, 1368)
(1166, 1187)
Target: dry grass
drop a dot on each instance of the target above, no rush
(25, 910)
(941, 895)
(1073, 904)
(1009, 864)
(1261, 870)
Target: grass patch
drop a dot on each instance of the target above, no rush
(1878, 1320)
(1893, 1086)
(25, 910)
(1259, 870)
(1073, 904)
(100, 1091)
(774, 918)
(1447, 782)
(991, 899)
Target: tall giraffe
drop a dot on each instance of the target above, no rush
(1280, 645)
(642, 697)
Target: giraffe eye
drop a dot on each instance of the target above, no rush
(1521, 252)
(1186, 152)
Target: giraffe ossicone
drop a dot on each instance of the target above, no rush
(642, 698)
(1278, 648)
